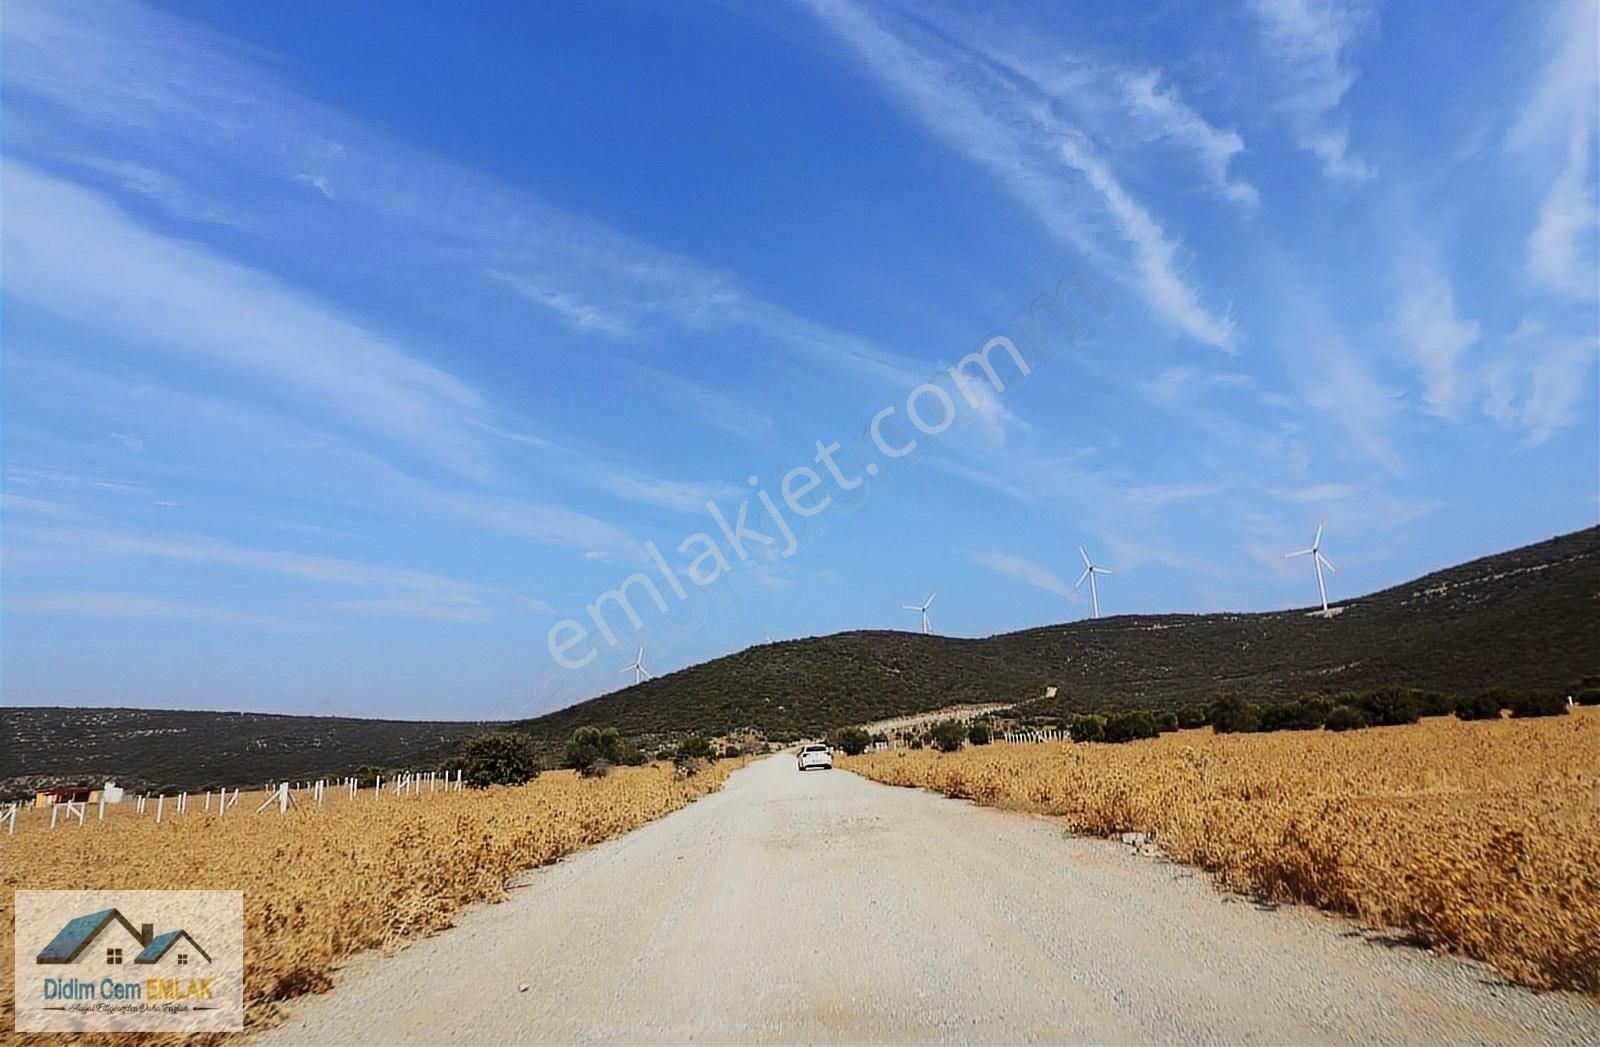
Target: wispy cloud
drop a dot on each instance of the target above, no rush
(137, 606)
(74, 253)
(1438, 339)
(1309, 42)
(1539, 381)
(1024, 570)
(979, 101)
(1172, 118)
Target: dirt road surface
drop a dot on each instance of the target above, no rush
(821, 907)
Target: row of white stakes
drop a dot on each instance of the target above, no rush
(1047, 735)
(282, 794)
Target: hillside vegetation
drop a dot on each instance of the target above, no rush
(1528, 619)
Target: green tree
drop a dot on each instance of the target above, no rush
(496, 758)
(591, 745)
(853, 740)
(1346, 718)
(948, 736)
(979, 734)
(694, 747)
(1485, 705)
(1233, 714)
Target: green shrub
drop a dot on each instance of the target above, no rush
(590, 744)
(694, 747)
(1589, 696)
(1435, 703)
(1485, 705)
(1389, 706)
(1089, 728)
(731, 753)
(1232, 714)
(1539, 703)
(1307, 714)
(915, 743)
(1192, 716)
(979, 734)
(1127, 727)
(595, 769)
(1346, 718)
(853, 740)
(948, 736)
(1166, 720)
(496, 758)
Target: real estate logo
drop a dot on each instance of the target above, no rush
(130, 961)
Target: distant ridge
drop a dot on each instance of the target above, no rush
(1528, 618)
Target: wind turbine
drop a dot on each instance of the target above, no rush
(1089, 571)
(640, 673)
(1319, 561)
(922, 609)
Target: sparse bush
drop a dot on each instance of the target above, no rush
(1191, 717)
(979, 734)
(915, 743)
(1539, 703)
(948, 736)
(853, 740)
(1166, 720)
(496, 758)
(1346, 718)
(596, 769)
(1485, 705)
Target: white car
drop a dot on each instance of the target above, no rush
(816, 756)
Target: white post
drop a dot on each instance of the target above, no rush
(102, 807)
(207, 807)
(222, 802)
(53, 808)
(377, 787)
(83, 809)
(235, 801)
(11, 819)
(283, 798)
(161, 801)
(183, 802)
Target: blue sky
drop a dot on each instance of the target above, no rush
(350, 350)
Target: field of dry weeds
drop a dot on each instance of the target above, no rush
(1479, 838)
(321, 883)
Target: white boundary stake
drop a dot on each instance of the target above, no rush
(183, 802)
(138, 804)
(102, 807)
(11, 820)
(161, 801)
(281, 795)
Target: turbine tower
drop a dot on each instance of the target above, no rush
(640, 673)
(1319, 562)
(922, 609)
(1089, 571)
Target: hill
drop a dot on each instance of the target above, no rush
(1529, 618)
(162, 749)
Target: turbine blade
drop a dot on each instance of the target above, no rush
(1087, 571)
(931, 597)
(1299, 552)
(1085, 554)
(626, 669)
(1103, 570)
(1326, 564)
(912, 606)
(1318, 539)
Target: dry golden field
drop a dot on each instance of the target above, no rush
(1479, 838)
(322, 883)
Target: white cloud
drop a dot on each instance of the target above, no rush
(1024, 570)
(1006, 124)
(1309, 42)
(74, 253)
(1539, 382)
(131, 606)
(1156, 254)
(1438, 338)
(1175, 119)
(1561, 248)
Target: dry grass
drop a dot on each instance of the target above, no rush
(1477, 838)
(322, 883)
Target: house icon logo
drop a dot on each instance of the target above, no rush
(108, 939)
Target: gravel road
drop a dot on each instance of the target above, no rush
(822, 907)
